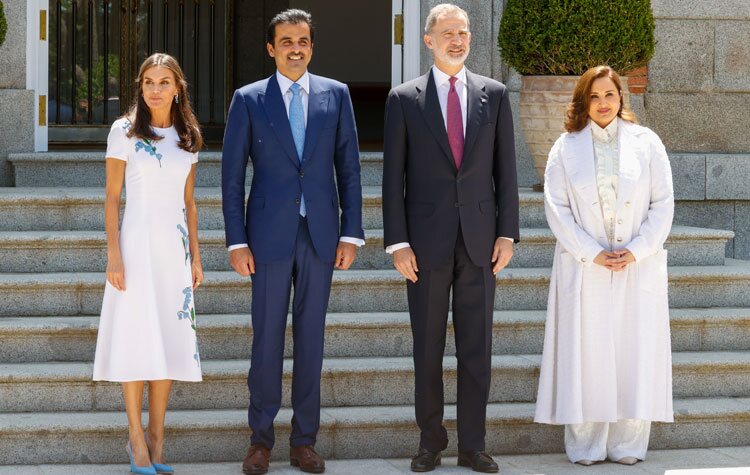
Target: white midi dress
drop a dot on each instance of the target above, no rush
(148, 331)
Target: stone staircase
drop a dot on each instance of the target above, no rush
(52, 257)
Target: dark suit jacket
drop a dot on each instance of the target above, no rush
(258, 128)
(424, 196)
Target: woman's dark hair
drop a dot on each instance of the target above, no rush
(294, 16)
(577, 115)
(183, 119)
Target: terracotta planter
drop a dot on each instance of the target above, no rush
(544, 101)
(637, 80)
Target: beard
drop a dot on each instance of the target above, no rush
(452, 59)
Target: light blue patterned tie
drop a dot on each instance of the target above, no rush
(297, 122)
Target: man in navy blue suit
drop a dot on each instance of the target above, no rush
(298, 130)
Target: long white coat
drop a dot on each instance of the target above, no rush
(607, 353)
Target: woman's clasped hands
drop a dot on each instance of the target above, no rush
(615, 260)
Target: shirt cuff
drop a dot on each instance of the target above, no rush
(356, 241)
(395, 247)
(509, 239)
(236, 246)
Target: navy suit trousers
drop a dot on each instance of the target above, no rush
(272, 284)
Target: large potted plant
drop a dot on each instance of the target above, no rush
(552, 42)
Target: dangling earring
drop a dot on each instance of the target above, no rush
(176, 99)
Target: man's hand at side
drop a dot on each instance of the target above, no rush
(501, 254)
(405, 262)
(346, 252)
(242, 261)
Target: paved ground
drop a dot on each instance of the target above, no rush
(718, 461)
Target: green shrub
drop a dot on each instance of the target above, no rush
(3, 24)
(566, 37)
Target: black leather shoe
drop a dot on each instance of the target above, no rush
(478, 461)
(425, 461)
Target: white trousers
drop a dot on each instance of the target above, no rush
(597, 441)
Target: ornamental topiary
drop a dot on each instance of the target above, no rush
(3, 24)
(566, 37)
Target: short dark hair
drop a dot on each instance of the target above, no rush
(293, 16)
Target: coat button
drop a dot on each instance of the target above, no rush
(619, 221)
(456, 204)
(297, 201)
(583, 259)
(619, 239)
(627, 203)
(301, 174)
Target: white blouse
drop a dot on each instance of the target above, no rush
(606, 156)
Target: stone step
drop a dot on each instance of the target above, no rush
(698, 461)
(345, 382)
(86, 251)
(73, 338)
(56, 209)
(86, 169)
(80, 293)
(345, 433)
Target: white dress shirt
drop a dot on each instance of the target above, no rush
(285, 84)
(606, 155)
(443, 86)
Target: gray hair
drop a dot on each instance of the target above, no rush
(443, 9)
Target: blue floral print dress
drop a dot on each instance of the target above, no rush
(148, 331)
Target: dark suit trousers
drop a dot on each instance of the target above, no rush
(272, 283)
(473, 303)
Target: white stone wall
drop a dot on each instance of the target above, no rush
(698, 100)
(16, 103)
(699, 79)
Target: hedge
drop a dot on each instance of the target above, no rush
(3, 24)
(566, 37)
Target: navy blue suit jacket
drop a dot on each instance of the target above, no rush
(258, 129)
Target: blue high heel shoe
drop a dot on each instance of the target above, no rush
(161, 467)
(150, 470)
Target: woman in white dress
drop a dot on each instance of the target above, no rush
(147, 325)
(606, 368)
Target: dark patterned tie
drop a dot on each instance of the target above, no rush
(455, 124)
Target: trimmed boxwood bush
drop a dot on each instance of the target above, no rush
(566, 37)
(3, 24)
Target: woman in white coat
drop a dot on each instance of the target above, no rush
(606, 368)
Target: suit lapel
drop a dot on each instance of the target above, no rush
(427, 100)
(476, 99)
(317, 109)
(629, 169)
(273, 104)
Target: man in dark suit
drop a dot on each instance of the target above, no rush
(450, 210)
(297, 128)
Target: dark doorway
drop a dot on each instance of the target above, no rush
(96, 47)
(352, 45)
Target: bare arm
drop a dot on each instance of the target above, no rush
(115, 175)
(191, 212)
